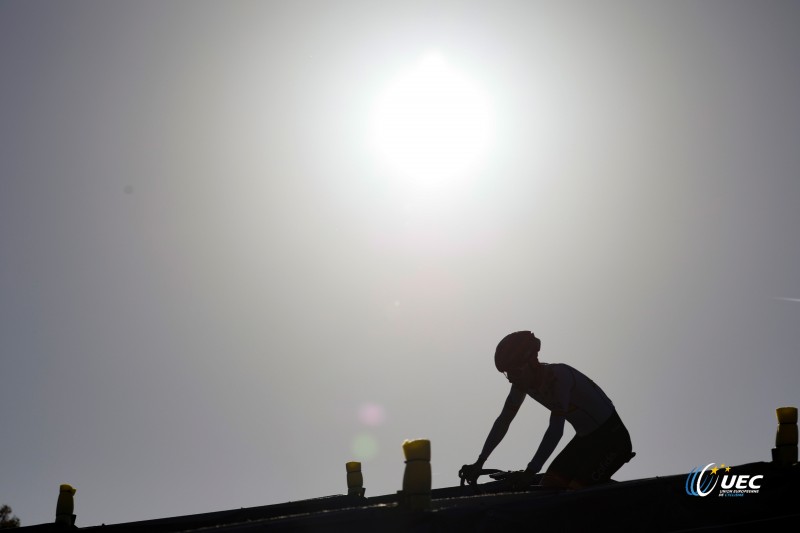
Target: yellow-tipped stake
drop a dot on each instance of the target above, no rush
(355, 480)
(65, 505)
(785, 451)
(417, 477)
(786, 415)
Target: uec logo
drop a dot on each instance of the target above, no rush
(696, 485)
(701, 481)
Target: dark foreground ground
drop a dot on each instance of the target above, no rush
(655, 504)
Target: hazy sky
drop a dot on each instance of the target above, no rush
(224, 272)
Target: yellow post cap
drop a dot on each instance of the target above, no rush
(67, 488)
(786, 415)
(417, 450)
(353, 466)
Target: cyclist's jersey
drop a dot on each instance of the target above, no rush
(569, 393)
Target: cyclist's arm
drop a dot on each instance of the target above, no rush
(555, 430)
(500, 427)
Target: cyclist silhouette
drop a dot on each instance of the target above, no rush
(601, 444)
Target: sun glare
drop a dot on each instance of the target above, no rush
(432, 123)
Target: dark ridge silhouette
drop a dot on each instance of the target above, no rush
(654, 504)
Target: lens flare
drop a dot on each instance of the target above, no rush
(371, 414)
(364, 447)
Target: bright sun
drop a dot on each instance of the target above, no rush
(432, 123)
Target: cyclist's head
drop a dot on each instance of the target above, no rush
(515, 350)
